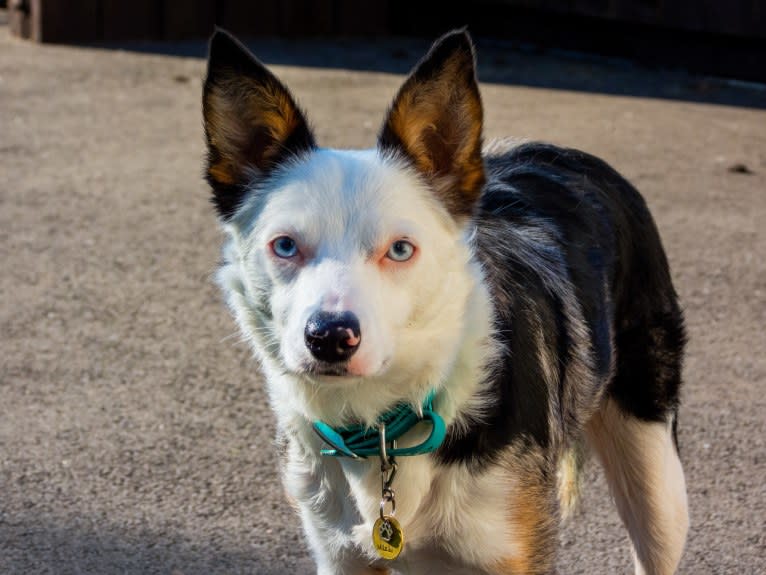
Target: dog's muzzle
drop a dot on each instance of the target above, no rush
(332, 337)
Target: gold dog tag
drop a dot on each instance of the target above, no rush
(387, 537)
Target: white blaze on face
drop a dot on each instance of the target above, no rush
(344, 210)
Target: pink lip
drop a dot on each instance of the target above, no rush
(357, 368)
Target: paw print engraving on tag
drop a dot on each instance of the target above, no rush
(386, 531)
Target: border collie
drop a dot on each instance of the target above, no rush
(445, 327)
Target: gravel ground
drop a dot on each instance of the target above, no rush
(134, 433)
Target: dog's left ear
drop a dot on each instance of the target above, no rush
(436, 122)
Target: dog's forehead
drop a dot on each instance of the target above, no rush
(340, 192)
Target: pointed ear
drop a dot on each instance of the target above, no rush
(252, 122)
(436, 122)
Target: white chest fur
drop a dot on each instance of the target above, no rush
(445, 511)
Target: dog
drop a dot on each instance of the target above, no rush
(445, 327)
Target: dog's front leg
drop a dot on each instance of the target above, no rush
(321, 493)
(340, 557)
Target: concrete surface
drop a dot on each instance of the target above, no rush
(134, 434)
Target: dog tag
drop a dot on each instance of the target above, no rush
(387, 537)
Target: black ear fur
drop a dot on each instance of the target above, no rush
(436, 120)
(252, 123)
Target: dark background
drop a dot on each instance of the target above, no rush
(718, 37)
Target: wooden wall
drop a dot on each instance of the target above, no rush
(722, 37)
(109, 20)
(79, 21)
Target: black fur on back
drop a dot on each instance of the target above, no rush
(584, 303)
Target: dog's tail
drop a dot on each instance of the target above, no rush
(570, 473)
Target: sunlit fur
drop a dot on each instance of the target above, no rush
(647, 483)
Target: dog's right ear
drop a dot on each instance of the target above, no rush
(252, 123)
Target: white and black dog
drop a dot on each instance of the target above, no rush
(514, 298)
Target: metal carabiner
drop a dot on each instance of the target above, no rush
(387, 464)
(384, 463)
(387, 473)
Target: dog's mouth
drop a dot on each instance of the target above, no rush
(335, 371)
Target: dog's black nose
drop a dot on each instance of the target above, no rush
(332, 336)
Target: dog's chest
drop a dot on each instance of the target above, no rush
(447, 508)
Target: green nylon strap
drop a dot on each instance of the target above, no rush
(358, 441)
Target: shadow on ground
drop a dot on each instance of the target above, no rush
(500, 62)
(68, 547)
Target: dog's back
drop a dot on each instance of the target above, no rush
(561, 226)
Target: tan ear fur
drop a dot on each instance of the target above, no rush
(436, 122)
(252, 122)
(248, 124)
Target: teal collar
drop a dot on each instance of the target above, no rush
(359, 441)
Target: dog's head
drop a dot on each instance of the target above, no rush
(347, 267)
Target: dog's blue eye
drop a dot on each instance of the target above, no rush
(284, 247)
(400, 251)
